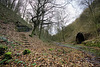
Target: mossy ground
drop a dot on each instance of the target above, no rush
(93, 42)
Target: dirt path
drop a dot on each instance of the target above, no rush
(95, 57)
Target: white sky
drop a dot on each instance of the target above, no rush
(74, 11)
(60, 1)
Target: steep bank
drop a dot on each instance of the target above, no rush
(84, 24)
(7, 16)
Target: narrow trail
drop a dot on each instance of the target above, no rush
(95, 59)
(25, 40)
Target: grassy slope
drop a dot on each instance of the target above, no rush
(82, 24)
(7, 15)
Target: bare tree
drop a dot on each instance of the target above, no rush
(89, 4)
(24, 7)
(13, 3)
(4, 2)
(8, 3)
(61, 21)
(40, 8)
(18, 6)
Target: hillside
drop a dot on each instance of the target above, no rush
(84, 24)
(7, 15)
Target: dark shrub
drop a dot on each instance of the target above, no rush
(7, 55)
(2, 49)
(26, 51)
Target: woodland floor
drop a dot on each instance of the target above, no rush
(42, 54)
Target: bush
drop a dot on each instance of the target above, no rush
(30, 35)
(92, 44)
(51, 49)
(2, 49)
(7, 55)
(7, 58)
(26, 51)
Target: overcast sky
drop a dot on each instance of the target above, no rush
(73, 9)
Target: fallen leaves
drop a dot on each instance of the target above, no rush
(43, 55)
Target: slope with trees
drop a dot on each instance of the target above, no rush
(87, 23)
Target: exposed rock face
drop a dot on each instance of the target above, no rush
(79, 38)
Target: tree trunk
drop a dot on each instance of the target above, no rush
(40, 31)
(33, 31)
